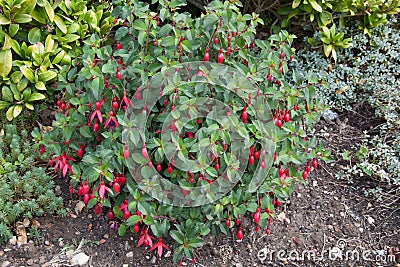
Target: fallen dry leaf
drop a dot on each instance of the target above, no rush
(22, 238)
(282, 216)
(297, 241)
(79, 206)
(35, 224)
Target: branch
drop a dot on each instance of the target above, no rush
(198, 3)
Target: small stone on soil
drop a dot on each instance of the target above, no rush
(69, 254)
(13, 240)
(5, 263)
(47, 243)
(129, 254)
(80, 259)
(29, 262)
(57, 190)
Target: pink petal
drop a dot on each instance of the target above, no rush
(101, 192)
(160, 250)
(99, 116)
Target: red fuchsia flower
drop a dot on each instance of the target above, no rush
(102, 188)
(125, 102)
(159, 246)
(97, 114)
(145, 239)
(62, 163)
(124, 206)
(111, 122)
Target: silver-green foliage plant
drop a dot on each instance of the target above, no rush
(368, 72)
(25, 190)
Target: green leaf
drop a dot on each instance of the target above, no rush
(85, 131)
(196, 242)
(49, 11)
(165, 30)
(36, 96)
(177, 236)
(3, 104)
(34, 35)
(92, 202)
(13, 29)
(28, 73)
(210, 21)
(5, 62)
(212, 172)
(168, 41)
(95, 86)
(27, 7)
(133, 220)
(122, 229)
(7, 94)
(315, 5)
(187, 46)
(139, 25)
(141, 37)
(60, 24)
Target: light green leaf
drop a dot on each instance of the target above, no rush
(36, 96)
(17, 110)
(40, 86)
(4, 20)
(60, 24)
(10, 113)
(296, 3)
(7, 42)
(49, 43)
(22, 18)
(5, 62)
(315, 5)
(47, 76)
(49, 11)
(28, 73)
(29, 106)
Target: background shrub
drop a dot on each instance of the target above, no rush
(40, 40)
(367, 72)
